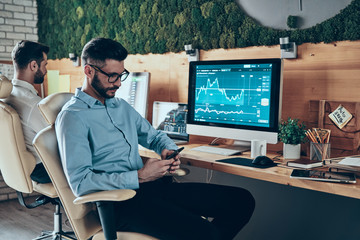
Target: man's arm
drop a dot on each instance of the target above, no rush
(151, 138)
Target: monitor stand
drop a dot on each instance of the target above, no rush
(257, 147)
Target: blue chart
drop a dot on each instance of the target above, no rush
(233, 103)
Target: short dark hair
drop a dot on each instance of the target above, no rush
(97, 50)
(26, 51)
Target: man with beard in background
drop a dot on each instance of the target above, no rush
(30, 60)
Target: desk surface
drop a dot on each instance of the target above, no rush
(279, 174)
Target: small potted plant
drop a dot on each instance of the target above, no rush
(292, 134)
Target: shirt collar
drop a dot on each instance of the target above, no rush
(90, 101)
(24, 84)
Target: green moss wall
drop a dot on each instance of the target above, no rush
(159, 26)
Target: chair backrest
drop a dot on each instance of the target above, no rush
(83, 217)
(16, 162)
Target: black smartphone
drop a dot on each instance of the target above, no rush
(176, 152)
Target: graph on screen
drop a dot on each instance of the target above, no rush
(212, 93)
(238, 94)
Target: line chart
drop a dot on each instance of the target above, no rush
(212, 93)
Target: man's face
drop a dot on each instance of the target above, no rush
(100, 81)
(105, 92)
(41, 72)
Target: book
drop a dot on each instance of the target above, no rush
(304, 163)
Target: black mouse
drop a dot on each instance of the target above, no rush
(263, 161)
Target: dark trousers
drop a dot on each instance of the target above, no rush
(176, 211)
(40, 174)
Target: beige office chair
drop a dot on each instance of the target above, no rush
(17, 163)
(81, 211)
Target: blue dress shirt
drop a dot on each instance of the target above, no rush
(98, 143)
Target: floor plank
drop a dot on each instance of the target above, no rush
(18, 222)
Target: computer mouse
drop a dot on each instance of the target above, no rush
(263, 161)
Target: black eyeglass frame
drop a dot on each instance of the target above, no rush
(122, 75)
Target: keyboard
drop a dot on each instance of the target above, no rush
(217, 150)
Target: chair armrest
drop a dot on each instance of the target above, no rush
(111, 195)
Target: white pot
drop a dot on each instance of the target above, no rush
(292, 151)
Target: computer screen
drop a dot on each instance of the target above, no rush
(236, 99)
(135, 90)
(170, 117)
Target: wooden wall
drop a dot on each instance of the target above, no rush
(321, 71)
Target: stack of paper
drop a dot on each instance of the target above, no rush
(351, 163)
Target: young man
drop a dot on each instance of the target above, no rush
(98, 138)
(30, 60)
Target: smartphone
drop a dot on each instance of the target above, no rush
(341, 177)
(176, 152)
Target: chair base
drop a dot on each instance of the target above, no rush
(55, 235)
(58, 233)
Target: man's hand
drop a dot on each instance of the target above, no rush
(154, 169)
(176, 163)
(167, 152)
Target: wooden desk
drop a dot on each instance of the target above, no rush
(279, 174)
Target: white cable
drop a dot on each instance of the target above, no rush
(209, 176)
(214, 141)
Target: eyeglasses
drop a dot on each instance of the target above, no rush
(114, 76)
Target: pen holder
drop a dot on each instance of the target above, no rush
(319, 151)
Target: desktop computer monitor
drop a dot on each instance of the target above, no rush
(235, 99)
(135, 90)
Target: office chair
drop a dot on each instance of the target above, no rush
(17, 163)
(86, 220)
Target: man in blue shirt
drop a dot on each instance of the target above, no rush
(98, 138)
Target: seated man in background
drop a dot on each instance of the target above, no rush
(98, 137)
(30, 60)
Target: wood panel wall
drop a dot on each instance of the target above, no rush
(321, 71)
(345, 141)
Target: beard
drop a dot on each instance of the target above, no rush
(99, 87)
(39, 77)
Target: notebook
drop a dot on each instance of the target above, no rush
(170, 117)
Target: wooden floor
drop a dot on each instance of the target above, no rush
(18, 222)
